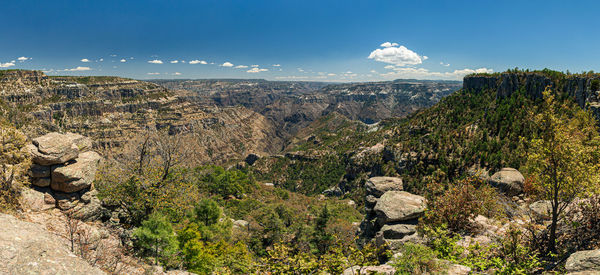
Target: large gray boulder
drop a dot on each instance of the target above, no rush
(76, 176)
(508, 180)
(396, 206)
(398, 231)
(56, 148)
(377, 186)
(587, 260)
(26, 248)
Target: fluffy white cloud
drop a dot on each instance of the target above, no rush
(241, 66)
(331, 74)
(444, 64)
(23, 58)
(174, 61)
(421, 73)
(276, 65)
(256, 70)
(155, 61)
(227, 64)
(176, 73)
(399, 56)
(7, 64)
(373, 71)
(85, 60)
(153, 73)
(123, 60)
(101, 59)
(198, 62)
(388, 44)
(78, 69)
(254, 66)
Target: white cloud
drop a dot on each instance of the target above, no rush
(101, 59)
(153, 73)
(300, 70)
(421, 73)
(254, 66)
(131, 58)
(388, 44)
(373, 71)
(23, 58)
(177, 73)
(348, 72)
(78, 69)
(444, 64)
(331, 74)
(155, 61)
(85, 60)
(198, 62)
(227, 64)
(276, 65)
(6, 65)
(256, 70)
(241, 66)
(399, 56)
(174, 61)
(113, 55)
(123, 60)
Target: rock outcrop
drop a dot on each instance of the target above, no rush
(391, 214)
(584, 261)
(62, 176)
(26, 248)
(509, 181)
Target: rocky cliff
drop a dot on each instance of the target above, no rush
(583, 88)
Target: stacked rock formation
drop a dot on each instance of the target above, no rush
(391, 214)
(62, 174)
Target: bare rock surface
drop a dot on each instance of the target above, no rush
(584, 261)
(377, 186)
(508, 180)
(56, 148)
(78, 175)
(396, 206)
(27, 248)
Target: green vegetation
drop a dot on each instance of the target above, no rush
(14, 163)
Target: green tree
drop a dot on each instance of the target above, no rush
(206, 215)
(156, 236)
(322, 239)
(563, 157)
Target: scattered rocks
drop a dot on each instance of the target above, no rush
(542, 209)
(588, 260)
(508, 180)
(384, 269)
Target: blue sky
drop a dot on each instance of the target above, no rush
(300, 39)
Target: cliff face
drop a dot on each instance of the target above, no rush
(113, 110)
(584, 89)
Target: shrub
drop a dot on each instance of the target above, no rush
(14, 163)
(417, 259)
(459, 204)
(156, 237)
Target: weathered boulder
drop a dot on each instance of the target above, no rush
(26, 248)
(383, 269)
(396, 206)
(56, 148)
(541, 209)
(41, 182)
(39, 171)
(398, 231)
(35, 200)
(508, 180)
(377, 186)
(587, 260)
(76, 176)
(91, 210)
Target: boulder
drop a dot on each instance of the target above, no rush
(91, 211)
(541, 209)
(76, 176)
(41, 182)
(34, 200)
(383, 269)
(56, 148)
(396, 206)
(377, 186)
(39, 171)
(587, 260)
(334, 191)
(398, 231)
(508, 180)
